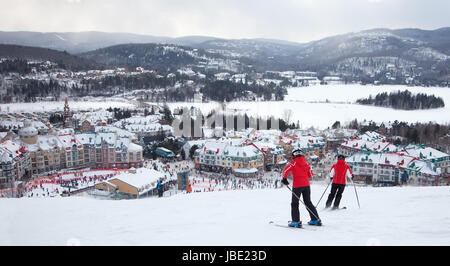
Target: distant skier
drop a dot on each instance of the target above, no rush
(301, 173)
(404, 178)
(277, 179)
(189, 189)
(159, 187)
(338, 174)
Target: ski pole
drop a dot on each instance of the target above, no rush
(323, 194)
(356, 193)
(302, 202)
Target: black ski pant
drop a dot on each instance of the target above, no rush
(336, 194)
(295, 212)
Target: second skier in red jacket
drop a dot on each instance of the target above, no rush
(338, 173)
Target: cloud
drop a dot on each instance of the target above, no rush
(294, 20)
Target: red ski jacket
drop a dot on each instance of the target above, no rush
(301, 172)
(340, 171)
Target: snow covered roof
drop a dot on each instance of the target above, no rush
(113, 139)
(423, 152)
(120, 132)
(339, 133)
(153, 127)
(66, 131)
(45, 143)
(69, 140)
(9, 150)
(144, 179)
(125, 142)
(199, 143)
(372, 136)
(108, 137)
(216, 147)
(28, 132)
(11, 124)
(139, 120)
(228, 148)
(375, 145)
(242, 152)
(306, 142)
(94, 117)
(86, 138)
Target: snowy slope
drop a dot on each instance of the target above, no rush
(388, 216)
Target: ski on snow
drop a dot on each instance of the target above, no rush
(339, 209)
(331, 209)
(287, 226)
(284, 225)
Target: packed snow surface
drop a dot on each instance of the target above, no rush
(388, 216)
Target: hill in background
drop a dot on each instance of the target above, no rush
(63, 59)
(383, 55)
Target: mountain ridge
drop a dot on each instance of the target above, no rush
(358, 55)
(63, 59)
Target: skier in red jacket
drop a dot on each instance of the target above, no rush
(338, 173)
(301, 173)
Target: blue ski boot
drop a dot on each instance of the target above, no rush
(315, 222)
(295, 224)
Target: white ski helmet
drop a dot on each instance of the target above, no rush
(297, 152)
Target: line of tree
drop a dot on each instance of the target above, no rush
(15, 66)
(225, 90)
(29, 90)
(119, 113)
(404, 100)
(158, 88)
(248, 122)
(56, 118)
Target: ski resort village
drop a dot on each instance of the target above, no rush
(45, 157)
(226, 142)
(185, 157)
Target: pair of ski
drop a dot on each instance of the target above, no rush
(302, 227)
(334, 209)
(287, 226)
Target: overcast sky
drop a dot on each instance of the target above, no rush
(292, 20)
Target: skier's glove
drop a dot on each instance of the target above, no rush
(285, 181)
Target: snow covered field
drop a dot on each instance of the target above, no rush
(388, 216)
(59, 106)
(309, 106)
(318, 106)
(352, 92)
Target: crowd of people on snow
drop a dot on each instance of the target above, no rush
(58, 185)
(208, 182)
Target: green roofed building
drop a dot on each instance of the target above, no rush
(164, 153)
